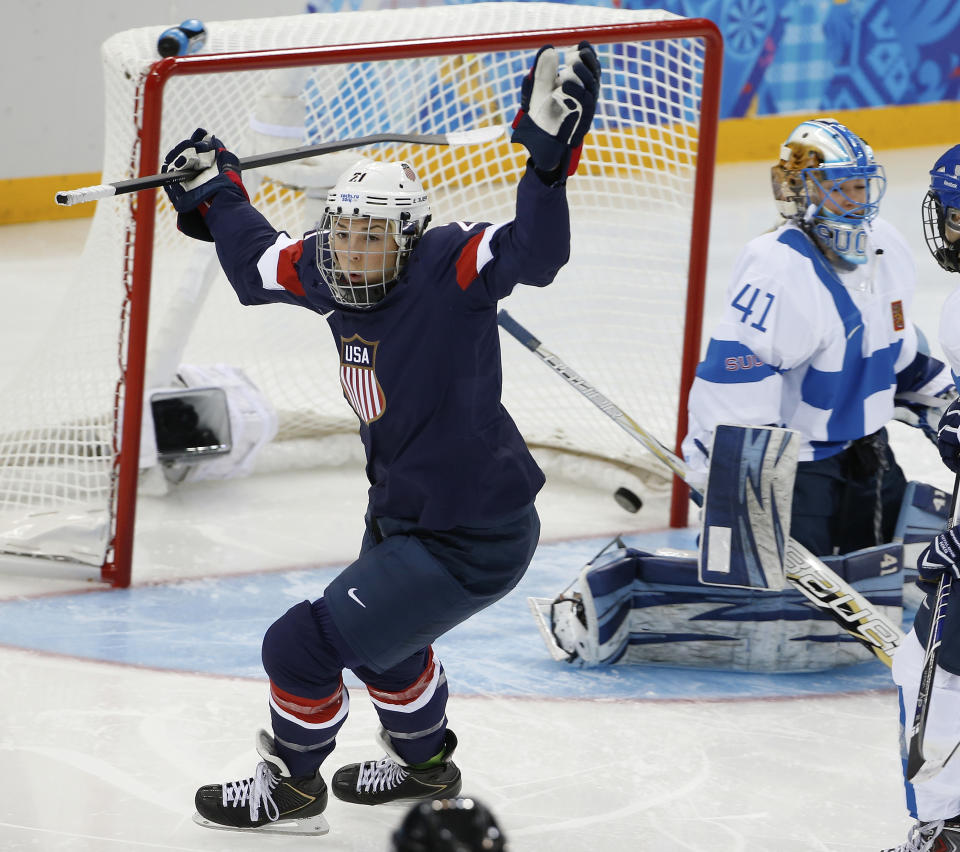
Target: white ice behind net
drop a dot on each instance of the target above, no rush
(615, 312)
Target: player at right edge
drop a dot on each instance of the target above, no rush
(935, 802)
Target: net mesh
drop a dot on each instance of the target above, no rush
(615, 313)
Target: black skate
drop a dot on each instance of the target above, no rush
(936, 836)
(271, 801)
(380, 782)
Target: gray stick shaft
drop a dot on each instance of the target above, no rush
(121, 187)
(919, 767)
(676, 464)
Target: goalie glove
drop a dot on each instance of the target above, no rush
(191, 198)
(948, 441)
(556, 110)
(941, 556)
(921, 411)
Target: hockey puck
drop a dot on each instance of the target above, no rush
(626, 499)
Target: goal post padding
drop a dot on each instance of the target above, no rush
(627, 308)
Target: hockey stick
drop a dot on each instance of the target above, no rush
(478, 136)
(822, 587)
(677, 465)
(919, 766)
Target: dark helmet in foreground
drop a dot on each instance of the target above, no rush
(449, 825)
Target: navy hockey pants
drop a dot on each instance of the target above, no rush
(834, 502)
(378, 618)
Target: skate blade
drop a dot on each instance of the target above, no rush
(315, 826)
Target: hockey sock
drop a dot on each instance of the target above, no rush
(436, 760)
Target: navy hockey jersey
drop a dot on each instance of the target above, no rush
(421, 369)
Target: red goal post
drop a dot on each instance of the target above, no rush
(601, 317)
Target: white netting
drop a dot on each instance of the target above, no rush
(615, 312)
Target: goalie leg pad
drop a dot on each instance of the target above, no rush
(678, 621)
(632, 607)
(593, 624)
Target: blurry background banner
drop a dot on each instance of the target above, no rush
(888, 68)
(789, 56)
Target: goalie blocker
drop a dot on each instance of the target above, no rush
(746, 510)
(745, 523)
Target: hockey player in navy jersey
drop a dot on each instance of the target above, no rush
(451, 524)
(817, 337)
(941, 229)
(935, 802)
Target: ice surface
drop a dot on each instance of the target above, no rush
(116, 705)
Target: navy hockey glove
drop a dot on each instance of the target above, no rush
(191, 197)
(556, 109)
(940, 556)
(948, 442)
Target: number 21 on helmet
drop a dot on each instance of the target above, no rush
(373, 218)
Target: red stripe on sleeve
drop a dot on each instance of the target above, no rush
(467, 262)
(287, 268)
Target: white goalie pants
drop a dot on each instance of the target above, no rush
(938, 798)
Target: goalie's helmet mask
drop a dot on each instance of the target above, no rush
(941, 211)
(829, 182)
(373, 218)
(449, 825)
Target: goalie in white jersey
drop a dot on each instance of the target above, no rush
(817, 337)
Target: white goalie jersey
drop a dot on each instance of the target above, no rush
(806, 347)
(950, 331)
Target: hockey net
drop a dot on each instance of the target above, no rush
(625, 312)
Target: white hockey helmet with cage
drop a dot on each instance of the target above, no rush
(829, 181)
(368, 193)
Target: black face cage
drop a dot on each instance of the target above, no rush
(934, 216)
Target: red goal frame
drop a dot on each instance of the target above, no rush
(117, 565)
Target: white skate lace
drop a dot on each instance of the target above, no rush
(383, 774)
(254, 791)
(921, 837)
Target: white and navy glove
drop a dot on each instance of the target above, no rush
(556, 109)
(941, 556)
(219, 170)
(948, 441)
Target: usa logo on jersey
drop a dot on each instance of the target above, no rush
(358, 377)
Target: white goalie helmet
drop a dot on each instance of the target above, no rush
(828, 180)
(372, 220)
